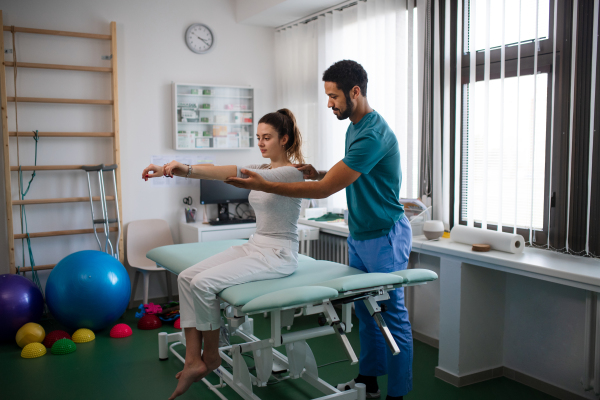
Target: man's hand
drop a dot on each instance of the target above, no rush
(253, 182)
(308, 170)
(337, 178)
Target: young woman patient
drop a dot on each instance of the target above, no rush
(272, 252)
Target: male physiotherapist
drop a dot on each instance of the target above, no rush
(380, 235)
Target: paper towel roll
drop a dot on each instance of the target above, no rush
(502, 241)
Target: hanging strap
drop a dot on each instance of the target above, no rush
(22, 194)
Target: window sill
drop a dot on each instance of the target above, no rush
(555, 267)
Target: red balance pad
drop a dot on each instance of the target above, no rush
(54, 336)
(120, 331)
(148, 322)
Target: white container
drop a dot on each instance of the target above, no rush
(185, 140)
(220, 142)
(202, 142)
(433, 229)
(417, 222)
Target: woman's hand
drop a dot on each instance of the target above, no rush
(175, 168)
(308, 170)
(152, 171)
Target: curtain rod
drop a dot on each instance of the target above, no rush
(312, 17)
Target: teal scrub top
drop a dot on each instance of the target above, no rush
(373, 199)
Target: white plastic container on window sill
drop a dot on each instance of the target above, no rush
(418, 221)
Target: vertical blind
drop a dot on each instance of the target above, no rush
(507, 69)
(503, 115)
(505, 119)
(381, 35)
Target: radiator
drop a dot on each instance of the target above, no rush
(328, 247)
(591, 358)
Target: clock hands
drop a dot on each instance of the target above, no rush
(202, 40)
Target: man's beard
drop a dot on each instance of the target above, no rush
(349, 108)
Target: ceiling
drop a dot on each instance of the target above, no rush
(274, 13)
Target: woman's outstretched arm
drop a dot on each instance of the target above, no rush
(199, 171)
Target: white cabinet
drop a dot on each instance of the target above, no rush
(239, 233)
(199, 232)
(209, 117)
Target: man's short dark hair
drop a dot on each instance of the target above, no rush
(346, 74)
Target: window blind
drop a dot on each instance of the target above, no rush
(505, 113)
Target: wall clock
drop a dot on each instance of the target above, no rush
(199, 38)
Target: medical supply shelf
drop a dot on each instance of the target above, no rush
(209, 117)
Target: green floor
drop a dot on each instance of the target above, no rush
(129, 369)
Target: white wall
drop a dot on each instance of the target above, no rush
(544, 331)
(151, 54)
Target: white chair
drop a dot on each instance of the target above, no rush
(143, 236)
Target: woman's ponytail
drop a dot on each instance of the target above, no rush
(284, 122)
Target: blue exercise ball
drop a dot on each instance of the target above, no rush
(88, 289)
(20, 302)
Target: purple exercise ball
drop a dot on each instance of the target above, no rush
(20, 302)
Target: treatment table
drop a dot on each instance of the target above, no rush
(316, 287)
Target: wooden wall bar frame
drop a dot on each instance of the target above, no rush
(115, 128)
(58, 33)
(113, 102)
(61, 200)
(63, 134)
(58, 66)
(6, 154)
(59, 101)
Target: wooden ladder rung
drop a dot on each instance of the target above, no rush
(59, 101)
(37, 268)
(64, 134)
(58, 33)
(58, 66)
(59, 200)
(46, 167)
(62, 233)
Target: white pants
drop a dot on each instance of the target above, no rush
(259, 259)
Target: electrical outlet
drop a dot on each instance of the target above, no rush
(107, 57)
(7, 51)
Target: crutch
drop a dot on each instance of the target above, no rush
(104, 221)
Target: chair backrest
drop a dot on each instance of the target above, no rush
(143, 236)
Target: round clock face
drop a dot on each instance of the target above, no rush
(199, 38)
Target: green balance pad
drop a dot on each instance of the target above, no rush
(63, 346)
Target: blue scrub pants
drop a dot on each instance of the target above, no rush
(385, 254)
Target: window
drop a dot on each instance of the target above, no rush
(477, 34)
(506, 120)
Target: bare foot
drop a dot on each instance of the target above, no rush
(191, 373)
(212, 360)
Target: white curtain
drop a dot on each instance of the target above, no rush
(378, 34)
(297, 87)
